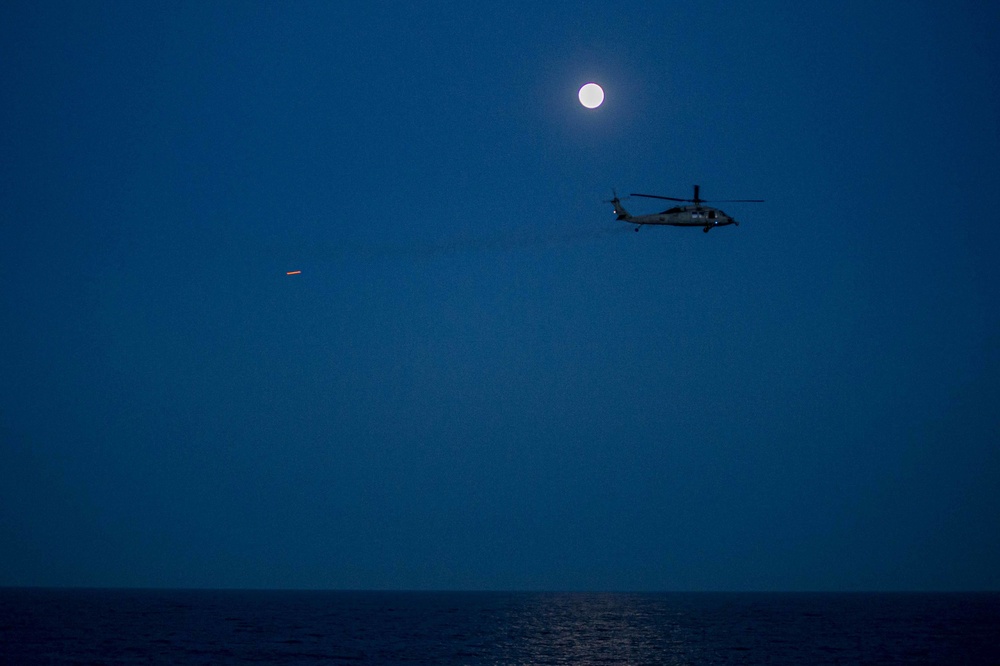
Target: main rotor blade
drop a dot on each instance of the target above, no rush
(657, 196)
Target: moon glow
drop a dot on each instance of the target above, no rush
(591, 95)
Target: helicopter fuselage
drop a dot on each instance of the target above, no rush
(682, 216)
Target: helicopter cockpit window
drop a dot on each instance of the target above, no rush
(711, 214)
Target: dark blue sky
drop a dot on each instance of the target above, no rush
(481, 380)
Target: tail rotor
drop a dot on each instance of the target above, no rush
(617, 203)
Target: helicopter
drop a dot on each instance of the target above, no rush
(697, 215)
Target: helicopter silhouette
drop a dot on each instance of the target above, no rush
(706, 217)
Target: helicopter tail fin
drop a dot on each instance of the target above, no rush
(619, 209)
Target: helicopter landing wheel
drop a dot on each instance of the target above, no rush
(637, 229)
(706, 229)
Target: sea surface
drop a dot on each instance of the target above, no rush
(100, 626)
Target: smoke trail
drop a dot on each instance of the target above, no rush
(306, 251)
(510, 240)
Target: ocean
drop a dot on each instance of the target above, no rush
(124, 626)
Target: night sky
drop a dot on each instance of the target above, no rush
(481, 379)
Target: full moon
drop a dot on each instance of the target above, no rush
(591, 95)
